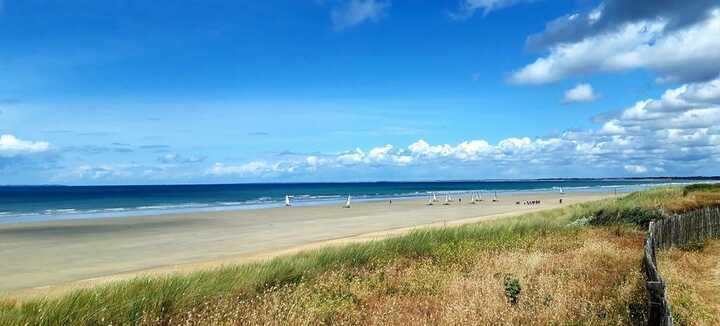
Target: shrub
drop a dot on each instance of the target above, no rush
(512, 289)
(633, 215)
(701, 187)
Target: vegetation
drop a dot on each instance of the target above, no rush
(702, 187)
(512, 289)
(562, 272)
(639, 208)
(693, 283)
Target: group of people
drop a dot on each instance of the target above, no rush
(530, 202)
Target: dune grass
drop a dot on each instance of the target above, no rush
(641, 207)
(693, 283)
(439, 264)
(575, 276)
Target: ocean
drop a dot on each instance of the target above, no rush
(42, 203)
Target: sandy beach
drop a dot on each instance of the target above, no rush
(44, 258)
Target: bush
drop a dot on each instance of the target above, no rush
(701, 187)
(635, 215)
(512, 289)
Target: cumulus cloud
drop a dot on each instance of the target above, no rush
(636, 169)
(580, 93)
(686, 54)
(355, 12)
(13, 146)
(676, 133)
(611, 15)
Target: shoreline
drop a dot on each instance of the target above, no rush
(67, 214)
(79, 251)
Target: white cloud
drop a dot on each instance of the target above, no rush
(637, 169)
(609, 15)
(354, 12)
(468, 8)
(12, 146)
(251, 168)
(379, 153)
(687, 54)
(580, 93)
(174, 158)
(98, 172)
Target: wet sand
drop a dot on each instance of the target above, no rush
(46, 258)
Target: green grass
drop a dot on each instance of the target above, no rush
(702, 187)
(158, 299)
(640, 208)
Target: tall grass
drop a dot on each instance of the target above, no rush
(640, 208)
(693, 283)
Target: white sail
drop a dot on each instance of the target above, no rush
(287, 201)
(495, 196)
(447, 200)
(347, 203)
(562, 191)
(434, 197)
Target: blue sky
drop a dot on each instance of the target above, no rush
(124, 91)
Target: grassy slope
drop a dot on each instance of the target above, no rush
(470, 259)
(578, 276)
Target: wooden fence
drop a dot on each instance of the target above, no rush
(692, 227)
(658, 307)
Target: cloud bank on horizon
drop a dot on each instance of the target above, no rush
(660, 136)
(676, 133)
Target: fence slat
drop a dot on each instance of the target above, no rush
(691, 227)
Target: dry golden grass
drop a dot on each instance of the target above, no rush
(589, 276)
(693, 197)
(693, 283)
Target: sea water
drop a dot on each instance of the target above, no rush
(42, 203)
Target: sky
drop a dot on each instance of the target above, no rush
(166, 92)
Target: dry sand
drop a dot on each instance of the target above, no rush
(47, 258)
